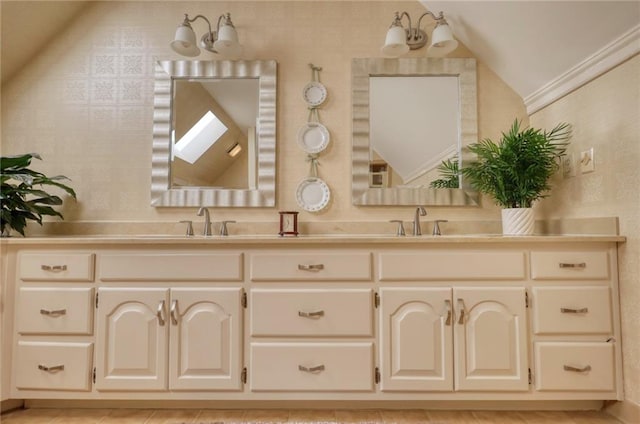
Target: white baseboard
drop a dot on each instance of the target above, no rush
(626, 411)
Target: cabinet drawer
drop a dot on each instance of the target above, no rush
(311, 312)
(574, 366)
(581, 310)
(69, 366)
(570, 265)
(337, 367)
(171, 267)
(57, 266)
(452, 265)
(311, 267)
(51, 310)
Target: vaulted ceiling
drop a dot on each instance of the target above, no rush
(534, 46)
(544, 49)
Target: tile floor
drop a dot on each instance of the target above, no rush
(210, 416)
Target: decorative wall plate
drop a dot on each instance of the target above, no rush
(312, 194)
(313, 137)
(314, 93)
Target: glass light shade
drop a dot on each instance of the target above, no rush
(184, 42)
(442, 41)
(227, 42)
(395, 44)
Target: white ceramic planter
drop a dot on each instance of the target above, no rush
(518, 221)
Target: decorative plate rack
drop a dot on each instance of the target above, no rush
(312, 193)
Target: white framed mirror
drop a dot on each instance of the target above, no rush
(409, 115)
(214, 133)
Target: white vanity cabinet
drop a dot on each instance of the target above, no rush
(169, 339)
(316, 319)
(169, 321)
(54, 321)
(457, 337)
(575, 327)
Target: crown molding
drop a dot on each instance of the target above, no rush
(611, 55)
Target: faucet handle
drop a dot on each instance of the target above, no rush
(436, 227)
(189, 227)
(223, 227)
(400, 230)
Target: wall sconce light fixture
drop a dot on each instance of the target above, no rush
(223, 40)
(400, 40)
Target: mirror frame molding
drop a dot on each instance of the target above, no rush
(361, 70)
(162, 195)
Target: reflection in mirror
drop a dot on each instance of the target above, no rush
(398, 118)
(214, 137)
(410, 115)
(214, 134)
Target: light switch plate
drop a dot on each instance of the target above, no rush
(587, 163)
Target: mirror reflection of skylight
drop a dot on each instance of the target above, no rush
(199, 138)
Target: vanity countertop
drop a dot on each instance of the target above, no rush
(304, 239)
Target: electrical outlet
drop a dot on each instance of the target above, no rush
(569, 165)
(587, 163)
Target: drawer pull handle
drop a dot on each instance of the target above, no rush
(56, 313)
(574, 311)
(576, 369)
(55, 368)
(461, 307)
(53, 268)
(160, 313)
(312, 268)
(173, 311)
(315, 369)
(314, 314)
(579, 265)
(447, 308)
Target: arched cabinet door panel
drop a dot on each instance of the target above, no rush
(490, 338)
(206, 339)
(416, 339)
(132, 336)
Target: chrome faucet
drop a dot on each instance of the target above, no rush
(420, 211)
(207, 221)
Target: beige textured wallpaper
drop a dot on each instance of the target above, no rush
(85, 102)
(605, 115)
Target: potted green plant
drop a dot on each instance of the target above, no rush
(22, 196)
(516, 171)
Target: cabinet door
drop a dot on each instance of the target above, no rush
(206, 339)
(416, 339)
(490, 338)
(132, 339)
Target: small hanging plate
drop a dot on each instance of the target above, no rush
(314, 93)
(313, 194)
(313, 137)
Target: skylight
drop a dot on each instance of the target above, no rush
(199, 138)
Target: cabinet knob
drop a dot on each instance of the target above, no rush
(576, 265)
(160, 313)
(311, 268)
(461, 311)
(576, 369)
(54, 368)
(55, 313)
(574, 311)
(447, 309)
(53, 268)
(173, 312)
(315, 369)
(314, 314)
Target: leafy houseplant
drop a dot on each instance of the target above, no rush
(516, 171)
(22, 195)
(449, 171)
